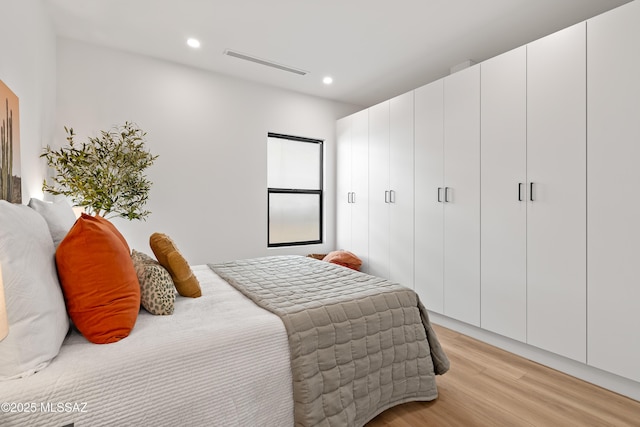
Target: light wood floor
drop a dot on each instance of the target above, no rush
(487, 386)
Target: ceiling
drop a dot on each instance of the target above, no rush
(373, 49)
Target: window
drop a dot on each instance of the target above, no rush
(294, 181)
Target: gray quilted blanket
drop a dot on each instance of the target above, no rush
(359, 344)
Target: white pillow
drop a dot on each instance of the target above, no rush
(38, 321)
(59, 216)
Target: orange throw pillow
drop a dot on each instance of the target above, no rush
(344, 258)
(170, 258)
(113, 229)
(98, 279)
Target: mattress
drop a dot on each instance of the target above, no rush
(219, 360)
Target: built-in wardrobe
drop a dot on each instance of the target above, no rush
(506, 194)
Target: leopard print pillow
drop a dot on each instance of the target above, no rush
(157, 292)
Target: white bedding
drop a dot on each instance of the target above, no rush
(219, 360)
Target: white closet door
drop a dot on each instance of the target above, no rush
(556, 219)
(378, 189)
(503, 192)
(401, 187)
(462, 182)
(360, 186)
(429, 209)
(343, 187)
(613, 87)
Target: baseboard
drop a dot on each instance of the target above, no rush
(615, 383)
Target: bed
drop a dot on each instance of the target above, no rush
(219, 360)
(271, 341)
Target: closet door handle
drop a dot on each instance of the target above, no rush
(531, 191)
(349, 197)
(353, 197)
(439, 198)
(386, 196)
(392, 196)
(519, 191)
(446, 194)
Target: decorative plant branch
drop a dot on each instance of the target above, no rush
(105, 175)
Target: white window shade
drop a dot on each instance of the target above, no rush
(294, 217)
(293, 164)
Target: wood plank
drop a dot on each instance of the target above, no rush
(488, 386)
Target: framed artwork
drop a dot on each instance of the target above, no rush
(10, 181)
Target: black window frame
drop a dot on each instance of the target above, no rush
(319, 192)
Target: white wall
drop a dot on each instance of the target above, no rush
(210, 132)
(28, 67)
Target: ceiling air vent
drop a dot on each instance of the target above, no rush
(246, 57)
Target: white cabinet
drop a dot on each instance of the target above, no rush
(613, 168)
(352, 218)
(534, 194)
(401, 206)
(556, 212)
(379, 190)
(461, 195)
(491, 166)
(447, 195)
(391, 189)
(343, 182)
(504, 192)
(429, 209)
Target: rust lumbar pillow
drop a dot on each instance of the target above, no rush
(98, 280)
(344, 258)
(170, 258)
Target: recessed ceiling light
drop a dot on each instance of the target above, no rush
(327, 80)
(194, 43)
